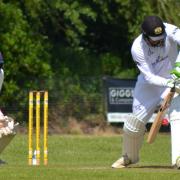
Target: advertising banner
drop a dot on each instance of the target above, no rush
(118, 95)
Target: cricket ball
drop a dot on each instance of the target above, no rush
(165, 122)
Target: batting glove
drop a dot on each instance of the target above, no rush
(176, 71)
(177, 87)
(170, 83)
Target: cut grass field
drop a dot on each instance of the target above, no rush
(88, 158)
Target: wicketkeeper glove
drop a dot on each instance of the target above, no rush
(7, 126)
(176, 71)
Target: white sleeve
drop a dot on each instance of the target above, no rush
(178, 57)
(174, 33)
(146, 69)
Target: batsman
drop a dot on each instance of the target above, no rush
(7, 125)
(156, 55)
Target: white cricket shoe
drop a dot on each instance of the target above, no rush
(122, 162)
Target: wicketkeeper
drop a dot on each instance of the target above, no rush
(7, 124)
(155, 52)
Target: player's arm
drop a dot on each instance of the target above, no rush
(146, 69)
(174, 34)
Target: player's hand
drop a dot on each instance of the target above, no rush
(176, 71)
(177, 87)
(171, 83)
(174, 83)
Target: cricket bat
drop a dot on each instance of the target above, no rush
(160, 115)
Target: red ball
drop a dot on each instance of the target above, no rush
(165, 122)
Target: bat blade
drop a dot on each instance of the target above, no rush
(160, 115)
(155, 127)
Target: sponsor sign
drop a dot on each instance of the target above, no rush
(118, 95)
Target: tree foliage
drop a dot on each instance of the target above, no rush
(56, 45)
(26, 57)
(169, 10)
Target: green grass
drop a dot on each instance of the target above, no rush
(88, 158)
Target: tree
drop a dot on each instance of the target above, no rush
(167, 9)
(55, 44)
(25, 55)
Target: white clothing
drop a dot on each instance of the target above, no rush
(155, 64)
(133, 137)
(174, 115)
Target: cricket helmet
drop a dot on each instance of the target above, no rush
(153, 28)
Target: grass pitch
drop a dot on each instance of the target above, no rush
(88, 158)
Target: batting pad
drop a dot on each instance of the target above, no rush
(174, 116)
(134, 130)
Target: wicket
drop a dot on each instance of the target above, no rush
(37, 95)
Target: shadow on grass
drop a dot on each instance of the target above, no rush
(151, 167)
